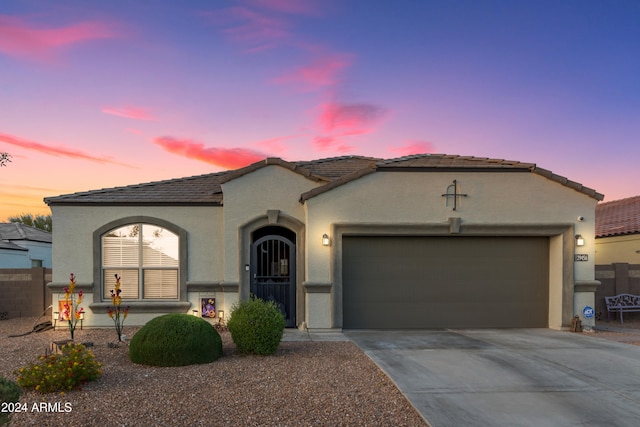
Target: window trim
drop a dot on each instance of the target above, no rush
(140, 219)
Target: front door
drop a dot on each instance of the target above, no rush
(273, 273)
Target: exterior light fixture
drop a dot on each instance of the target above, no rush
(81, 317)
(579, 240)
(220, 316)
(56, 316)
(325, 240)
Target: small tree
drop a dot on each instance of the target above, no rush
(72, 310)
(4, 159)
(42, 222)
(115, 311)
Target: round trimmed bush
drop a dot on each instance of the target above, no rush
(175, 340)
(256, 326)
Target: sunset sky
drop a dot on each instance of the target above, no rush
(104, 93)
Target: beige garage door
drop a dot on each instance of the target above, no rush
(445, 282)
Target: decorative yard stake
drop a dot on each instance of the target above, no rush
(115, 311)
(72, 310)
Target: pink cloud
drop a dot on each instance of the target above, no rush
(324, 71)
(54, 151)
(413, 147)
(275, 145)
(333, 143)
(338, 121)
(20, 39)
(231, 158)
(135, 113)
(359, 118)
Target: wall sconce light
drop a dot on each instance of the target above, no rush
(56, 316)
(325, 240)
(579, 240)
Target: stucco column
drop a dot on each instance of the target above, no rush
(585, 296)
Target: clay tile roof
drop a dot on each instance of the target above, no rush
(618, 217)
(270, 161)
(201, 189)
(470, 163)
(332, 172)
(206, 189)
(338, 167)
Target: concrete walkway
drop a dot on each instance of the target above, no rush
(510, 377)
(298, 335)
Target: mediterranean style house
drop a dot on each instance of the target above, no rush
(422, 241)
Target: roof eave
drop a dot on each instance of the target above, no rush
(76, 202)
(568, 183)
(337, 183)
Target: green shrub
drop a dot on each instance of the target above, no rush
(9, 393)
(256, 326)
(58, 372)
(175, 340)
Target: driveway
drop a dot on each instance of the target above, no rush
(510, 377)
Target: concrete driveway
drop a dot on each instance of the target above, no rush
(510, 377)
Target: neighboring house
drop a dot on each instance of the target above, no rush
(22, 246)
(618, 231)
(423, 241)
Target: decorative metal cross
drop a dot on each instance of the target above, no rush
(453, 187)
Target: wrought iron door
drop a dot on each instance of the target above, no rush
(273, 274)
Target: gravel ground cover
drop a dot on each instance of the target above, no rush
(627, 332)
(303, 384)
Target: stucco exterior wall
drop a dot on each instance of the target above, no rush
(508, 203)
(218, 238)
(615, 249)
(22, 259)
(73, 247)
(250, 197)
(74, 226)
(414, 197)
(14, 259)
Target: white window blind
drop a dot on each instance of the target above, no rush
(120, 252)
(147, 259)
(129, 284)
(160, 283)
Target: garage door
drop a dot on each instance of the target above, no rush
(445, 282)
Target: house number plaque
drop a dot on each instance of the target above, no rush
(582, 257)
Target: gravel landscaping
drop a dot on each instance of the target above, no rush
(627, 332)
(303, 384)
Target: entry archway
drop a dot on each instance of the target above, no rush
(273, 269)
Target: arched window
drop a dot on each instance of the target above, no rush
(147, 257)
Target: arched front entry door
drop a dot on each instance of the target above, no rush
(273, 269)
